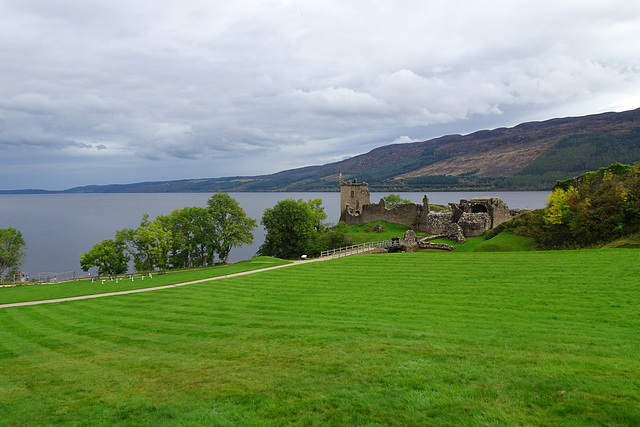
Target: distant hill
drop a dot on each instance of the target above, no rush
(530, 156)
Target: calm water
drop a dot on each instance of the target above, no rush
(58, 228)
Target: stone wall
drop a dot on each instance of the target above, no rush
(496, 210)
(408, 214)
(474, 216)
(474, 224)
(436, 222)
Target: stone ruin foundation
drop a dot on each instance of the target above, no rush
(468, 218)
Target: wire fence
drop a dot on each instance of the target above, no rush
(355, 249)
(21, 278)
(48, 277)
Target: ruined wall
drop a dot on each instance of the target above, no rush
(474, 216)
(474, 224)
(500, 213)
(411, 214)
(408, 214)
(436, 222)
(496, 210)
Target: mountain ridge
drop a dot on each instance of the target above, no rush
(529, 156)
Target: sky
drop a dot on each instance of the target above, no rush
(115, 91)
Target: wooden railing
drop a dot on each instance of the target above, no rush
(355, 249)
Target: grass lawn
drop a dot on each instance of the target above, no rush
(476, 338)
(86, 287)
(503, 242)
(362, 233)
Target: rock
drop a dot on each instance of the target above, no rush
(409, 236)
(454, 232)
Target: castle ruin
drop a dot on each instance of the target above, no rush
(468, 218)
(353, 195)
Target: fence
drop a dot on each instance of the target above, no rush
(47, 277)
(355, 249)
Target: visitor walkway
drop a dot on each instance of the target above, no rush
(155, 288)
(355, 249)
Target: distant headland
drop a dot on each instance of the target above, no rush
(530, 156)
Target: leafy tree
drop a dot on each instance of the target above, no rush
(193, 241)
(149, 244)
(594, 208)
(12, 246)
(335, 237)
(187, 237)
(153, 243)
(393, 200)
(558, 205)
(230, 225)
(319, 215)
(109, 256)
(292, 228)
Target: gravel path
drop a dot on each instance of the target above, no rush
(175, 285)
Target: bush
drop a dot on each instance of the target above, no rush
(590, 210)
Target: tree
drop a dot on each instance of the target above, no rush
(335, 237)
(319, 214)
(393, 200)
(594, 208)
(193, 242)
(153, 243)
(231, 226)
(109, 256)
(12, 247)
(292, 228)
(187, 237)
(558, 206)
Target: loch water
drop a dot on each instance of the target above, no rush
(59, 227)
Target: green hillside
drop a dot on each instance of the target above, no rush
(530, 156)
(574, 155)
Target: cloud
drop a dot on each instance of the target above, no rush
(340, 102)
(229, 88)
(404, 139)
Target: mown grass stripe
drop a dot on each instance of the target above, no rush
(405, 339)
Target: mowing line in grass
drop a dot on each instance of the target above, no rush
(530, 338)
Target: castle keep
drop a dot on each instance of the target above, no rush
(469, 218)
(353, 195)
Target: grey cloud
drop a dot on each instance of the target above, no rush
(340, 101)
(261, 86)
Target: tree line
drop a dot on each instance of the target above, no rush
(188, 237)
(197, 237)
(590, 210)
(202, 236)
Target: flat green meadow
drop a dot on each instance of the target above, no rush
(426, 338)
(82, 287)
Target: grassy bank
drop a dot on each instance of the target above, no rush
(368, 232)
(87, 287)
(517, 338)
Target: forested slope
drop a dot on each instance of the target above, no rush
(530, 156)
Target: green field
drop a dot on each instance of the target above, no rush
(427, 338)
(87, 287)
(362, 233)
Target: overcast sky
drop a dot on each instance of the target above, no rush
(115, 91)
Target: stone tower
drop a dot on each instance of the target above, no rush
(353, 195)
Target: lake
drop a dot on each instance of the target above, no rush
(59, 227)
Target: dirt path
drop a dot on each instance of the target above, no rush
(175, 285)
